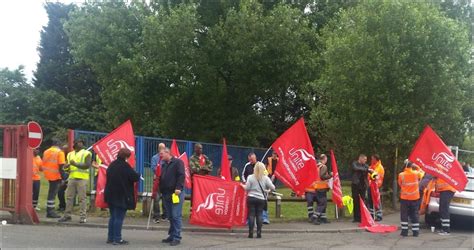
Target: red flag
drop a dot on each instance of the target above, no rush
(365, 216)
(435, 158)
(225, 164)
(174, 149)
(297, 166)
(368, 222)
(218, 203)
(122, 137)
(375, 194)
(336, 185)
(101, 181)
(187, 171)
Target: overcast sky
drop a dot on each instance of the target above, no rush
(20, 24)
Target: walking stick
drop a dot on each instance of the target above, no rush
(149, 214)
(337, 212)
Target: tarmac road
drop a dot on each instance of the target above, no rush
(23, 236)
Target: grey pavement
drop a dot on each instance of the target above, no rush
(48, 236)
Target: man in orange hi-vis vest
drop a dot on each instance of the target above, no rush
(408, 181)
(446, 193)
(53, 162)
(377, 175)
(37, 167)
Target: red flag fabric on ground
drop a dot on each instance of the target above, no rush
(296, 167)
(435, 158)
(174, 149)
(369, 224)
(187, 171)
(365, 216)
(99, 193)
(122, 137)
(225, 164)
(375, 194)
(336, 185)
(218, 203)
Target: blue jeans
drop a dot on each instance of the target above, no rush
(175, 215)
(117, 215)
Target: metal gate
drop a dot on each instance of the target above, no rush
(16, 174)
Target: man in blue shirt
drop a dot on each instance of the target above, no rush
(156, 163)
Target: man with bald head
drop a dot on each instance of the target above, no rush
(199, 162)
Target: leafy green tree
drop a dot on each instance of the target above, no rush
(390, 68)
(60, 72)
(14, 96)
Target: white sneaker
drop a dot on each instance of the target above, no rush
(444, 233)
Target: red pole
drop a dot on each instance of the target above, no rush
(70, 139)
(24, 180)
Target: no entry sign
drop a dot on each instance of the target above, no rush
(35, 135)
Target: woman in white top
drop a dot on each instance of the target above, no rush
(258, 185)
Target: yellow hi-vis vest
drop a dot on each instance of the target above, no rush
(79, 157)
(99, 162)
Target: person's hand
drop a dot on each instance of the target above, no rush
(370, 170)
(72, 162)
(177, 191)
(95, 165)
(242, 185)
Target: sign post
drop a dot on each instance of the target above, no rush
(35, 135)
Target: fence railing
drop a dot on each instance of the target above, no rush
(146, 147)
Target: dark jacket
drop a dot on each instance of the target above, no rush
(172, 176)
(119, 189)
(234, 172)
(359, 175)
(248, 170)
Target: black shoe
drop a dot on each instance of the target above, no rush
(175, 243)
(250, 236)
(316, 221)
(415, 234)
(378, 219)
(404, 233)
(65, 218)
(259, 235)
(122, 242)
(167, 240)
(53, 215)
(157, 221)
(109, 241)
(325, 221)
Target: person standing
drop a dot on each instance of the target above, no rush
(119, 194)
(37, 162)
(199, 162)
(376, 176)
(53, 163)
(79, 161)
(156, 168)
(248, 168)
(359, 183)
(446, 193)
(322, 188)
(63, 185)
(271, 167)
(171, 187)
(408, 181)
(258, 185)
(234, 172)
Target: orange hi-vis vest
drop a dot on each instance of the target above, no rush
(52, 159)
(37, 163)
(378, 168)
(408, 181)
(441, 186)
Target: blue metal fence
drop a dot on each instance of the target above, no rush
(146, 147)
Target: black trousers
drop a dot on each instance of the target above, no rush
(445, 198)
(62, 195)
(52, 192)
(322, 200)
(358, 190)
(409, 211)
(36, 192)
(255, 208)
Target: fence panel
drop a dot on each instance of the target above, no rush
(147, 147)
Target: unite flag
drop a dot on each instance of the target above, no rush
(107, 149)
(336, 185)
(296, 167)
(435, 158)
(218, 203)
